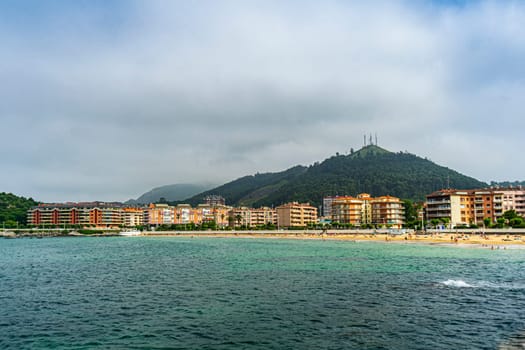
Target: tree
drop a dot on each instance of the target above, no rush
(517, 222)
(411, 209)
(510, 214)
(238, 218)
(14, 209)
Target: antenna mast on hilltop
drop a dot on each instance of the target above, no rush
(376, 138)
(364, 140)
(371, 142)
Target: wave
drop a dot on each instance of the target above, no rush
(457, 283)
(482, 284)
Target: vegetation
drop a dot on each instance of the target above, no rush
(372, 170)
(170, 193)
(507, 183)
(249, 189)
(13, 209)
(411, 214)
(509, 219)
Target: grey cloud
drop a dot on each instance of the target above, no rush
(208, 92)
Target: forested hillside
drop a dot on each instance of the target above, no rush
(249, 189)
(170, 193)
(372, 170)
(13, 209)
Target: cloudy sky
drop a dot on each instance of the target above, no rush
(104, 100)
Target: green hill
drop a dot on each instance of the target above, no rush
(13, 209)
(174, 192)
(251, 189)
(372, 170)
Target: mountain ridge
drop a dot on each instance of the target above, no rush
(371, 169)
(174, 192)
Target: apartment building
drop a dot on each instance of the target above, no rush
(252, 217)
(217, 213)
(296, 214)
(364, 209)
(465, 207)
(91, 214)
(184, 214)
(347, 210)
(387, 211)
(513, 199)
(132, 217)
(159, 214)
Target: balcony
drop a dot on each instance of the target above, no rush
(442, 201)
(441, 207)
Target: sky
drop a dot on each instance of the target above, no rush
(104, 100)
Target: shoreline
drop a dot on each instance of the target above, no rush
(485, 241)
(491, 241)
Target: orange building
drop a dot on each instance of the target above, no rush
(466, 207)
(347, 209)
(159, 214)
(387, 211)
(296, 214)
(364, 209)
(91, 214)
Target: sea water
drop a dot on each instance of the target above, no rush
(234, 293)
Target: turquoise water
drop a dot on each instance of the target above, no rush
(213, 293)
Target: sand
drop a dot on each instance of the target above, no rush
(482, 240)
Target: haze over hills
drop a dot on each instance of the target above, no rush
(372, 169)
(175, 192)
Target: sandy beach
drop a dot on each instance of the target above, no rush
(482, 240)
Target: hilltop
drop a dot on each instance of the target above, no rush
(371, 169)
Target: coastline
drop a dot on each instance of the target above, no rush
(489, 240)
(449, 239)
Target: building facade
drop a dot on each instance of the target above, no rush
(364, 209)
(467, 207)
(513, 199)
(132, 217)
(91, 214)
(387, 211)
(296, 214)
(252, 217)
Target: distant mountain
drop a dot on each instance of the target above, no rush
(175, 192)
(507, 183)
(372, 170)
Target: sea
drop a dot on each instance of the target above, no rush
(257, 293)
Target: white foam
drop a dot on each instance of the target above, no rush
(457, 283)
(483, 284)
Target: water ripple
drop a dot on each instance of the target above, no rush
(257, 294)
